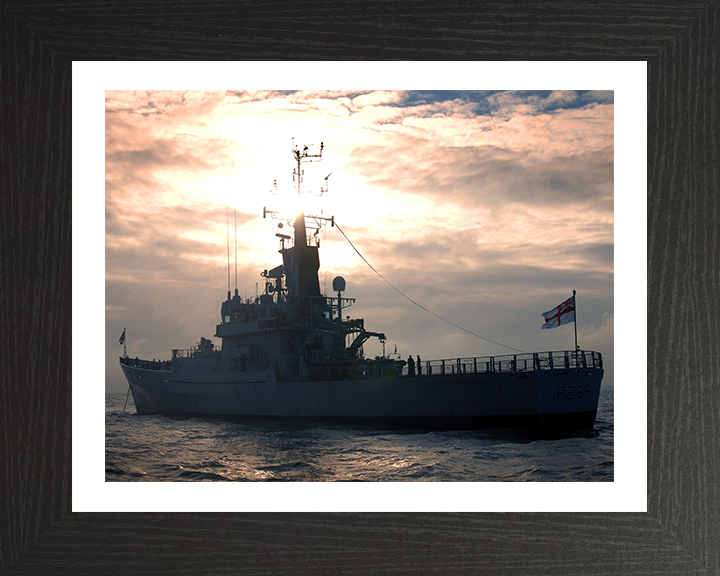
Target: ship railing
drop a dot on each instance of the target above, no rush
(565, 359)
(191, 352)
(317, 309)
(147, 364)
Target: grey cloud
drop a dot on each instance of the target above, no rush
(457, 263)
(169, 218)
(457, 250)
(159, 246)
(486, 176)
(161, 154)
(491, 175)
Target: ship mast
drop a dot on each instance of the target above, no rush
(302, 156)
(301, 261)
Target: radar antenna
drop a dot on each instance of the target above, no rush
(306, 154)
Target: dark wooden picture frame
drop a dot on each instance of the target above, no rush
(38, 532)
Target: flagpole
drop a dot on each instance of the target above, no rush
(575, 301)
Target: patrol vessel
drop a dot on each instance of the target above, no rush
(289, 353)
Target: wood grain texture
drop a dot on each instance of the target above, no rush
(680, 533)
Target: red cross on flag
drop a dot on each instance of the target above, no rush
(562, 314)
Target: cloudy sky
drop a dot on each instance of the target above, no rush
(488, 208)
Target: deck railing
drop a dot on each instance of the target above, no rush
(191, 352)
(512, 363)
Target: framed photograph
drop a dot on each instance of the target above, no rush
(63, 516)
(455, 175)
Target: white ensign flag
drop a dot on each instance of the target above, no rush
(561, 314)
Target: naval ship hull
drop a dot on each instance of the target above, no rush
(537, 399)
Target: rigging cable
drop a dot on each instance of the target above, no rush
(235, 210)
(413, 301)
(227, 227)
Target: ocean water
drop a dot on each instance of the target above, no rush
(154, 448)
